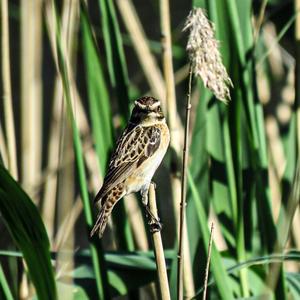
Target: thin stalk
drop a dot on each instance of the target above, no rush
(65, 196)
(68, 224)
(183, 191)
(260, 20)
(70, 219)
(64, 72)
(175, 129)
(208, 261)
(159, 251)
(168, 67)
(56, 127)
(7, 95)
(65, 191)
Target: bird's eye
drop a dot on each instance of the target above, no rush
(159, 109)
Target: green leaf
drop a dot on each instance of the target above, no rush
(115, 55)
(232, 268)
(293, 280)
(217, 266)
(95, 246)
(27, 229)
(127, 271)
(4, 286)
(99, 102)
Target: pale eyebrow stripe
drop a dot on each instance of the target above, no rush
(154, 105)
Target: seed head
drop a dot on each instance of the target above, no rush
(205, 58)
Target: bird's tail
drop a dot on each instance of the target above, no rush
(107, 206)
(102, 219)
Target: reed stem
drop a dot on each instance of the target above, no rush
(7, 94)
(141, 47)
(183, 191)
(159, 251)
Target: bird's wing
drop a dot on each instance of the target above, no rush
(132, 149)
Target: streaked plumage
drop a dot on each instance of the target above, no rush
(139, 152)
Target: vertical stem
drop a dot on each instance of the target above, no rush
(7, 96)
(168, 63)
(173, 123)
(65, 73)
(208, 261)
(159, 251)
(183, 191)
(31, 86)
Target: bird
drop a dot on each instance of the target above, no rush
(137, 155)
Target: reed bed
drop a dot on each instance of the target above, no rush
(70, 72)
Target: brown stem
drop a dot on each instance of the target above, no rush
(183, 191)
(159, 250)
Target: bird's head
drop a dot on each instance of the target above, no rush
(147, 111)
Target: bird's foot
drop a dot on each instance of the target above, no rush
(155, 225)
(153, 222)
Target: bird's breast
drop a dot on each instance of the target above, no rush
(142, 176)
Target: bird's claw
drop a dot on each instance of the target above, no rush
(155, 225)
(153, 222)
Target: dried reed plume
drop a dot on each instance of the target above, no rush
(205, 58)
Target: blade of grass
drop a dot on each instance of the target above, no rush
(254, 115)
(233, 149)
(57, 125)
(208, 262)
(65, 202)
(257, 261)
(53, 159)
(5, 287)
(140, 44)
(217, 266)
(115, 55)
(27, 229)
(97, 255)
(119, 79)
(99, 103)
